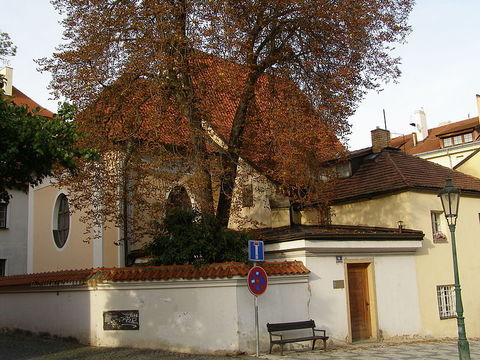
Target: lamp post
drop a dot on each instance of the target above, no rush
(450, 197)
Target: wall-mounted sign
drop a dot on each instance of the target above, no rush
(121, 320)
(338, 284)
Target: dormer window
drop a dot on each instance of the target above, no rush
(447, 142)
(344, 170)
(457, 139)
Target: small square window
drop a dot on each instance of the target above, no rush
(447, 142)
(437, 233)
(457, 139)
(3, 215)
(446, 301)
(467, 137)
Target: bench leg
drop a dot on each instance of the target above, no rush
(281, 349)
(313, 344)
(324, 344)
(271, 345)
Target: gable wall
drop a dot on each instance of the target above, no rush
(471, 166)
(450, 156)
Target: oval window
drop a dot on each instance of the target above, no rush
(61, 223)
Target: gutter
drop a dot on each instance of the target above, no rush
(456, 147)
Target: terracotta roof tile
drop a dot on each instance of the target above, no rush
(149, 273)
(392, 170)
(433, 140)
(19, 98)
(67, 277)
(218, 85)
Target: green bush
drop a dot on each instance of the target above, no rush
(187, 237)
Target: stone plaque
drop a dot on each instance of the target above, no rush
(121, 320)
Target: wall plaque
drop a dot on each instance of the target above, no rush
(121, 320)
(338, 284)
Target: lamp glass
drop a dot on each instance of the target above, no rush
(450, 197)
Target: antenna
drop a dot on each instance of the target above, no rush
(384, 119)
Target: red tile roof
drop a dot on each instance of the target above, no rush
(392, 170)
(433, 140)
(20, 99)
(149, 273)
(218, 83)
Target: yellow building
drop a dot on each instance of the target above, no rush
(452, 144)
(390, 188)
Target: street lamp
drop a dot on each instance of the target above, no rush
(450, 197)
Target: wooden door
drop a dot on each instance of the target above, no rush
(359, 301)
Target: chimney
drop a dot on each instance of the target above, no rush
(380, 139)
(420, 123)
(6, 85)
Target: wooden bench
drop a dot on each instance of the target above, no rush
(277, 330)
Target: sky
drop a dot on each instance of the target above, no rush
(440, 64)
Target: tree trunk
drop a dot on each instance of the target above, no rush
(229, 161)
(187, 99)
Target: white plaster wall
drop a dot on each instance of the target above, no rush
(63, 313)
(180, 316)
(14, 239)
(328, 306)
(284, 300)
(206, 316)
(397, 296)
(395, 285)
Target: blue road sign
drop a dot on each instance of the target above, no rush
(255, 250)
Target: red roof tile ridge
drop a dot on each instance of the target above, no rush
(149, 273)
(397, 169)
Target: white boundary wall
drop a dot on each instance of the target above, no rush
(180, 315)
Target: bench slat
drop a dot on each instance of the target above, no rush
(310, 324)
(307, 338)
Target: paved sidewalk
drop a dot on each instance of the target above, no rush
(443, 350)
(19, 347)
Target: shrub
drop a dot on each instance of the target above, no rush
(188, 237)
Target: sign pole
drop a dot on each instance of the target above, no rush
(257, 281)
(255, 301)
(256, 325)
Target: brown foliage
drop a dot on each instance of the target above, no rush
(275, 81)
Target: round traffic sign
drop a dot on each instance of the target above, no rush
(257, 280)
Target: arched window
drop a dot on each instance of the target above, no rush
(178, 199)
(61, 221)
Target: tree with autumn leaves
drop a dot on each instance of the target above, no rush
(181, 91)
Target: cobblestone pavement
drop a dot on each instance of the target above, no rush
(20, 347)
(443, 350)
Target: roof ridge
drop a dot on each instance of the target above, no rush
(91, 277)
(407, 183)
